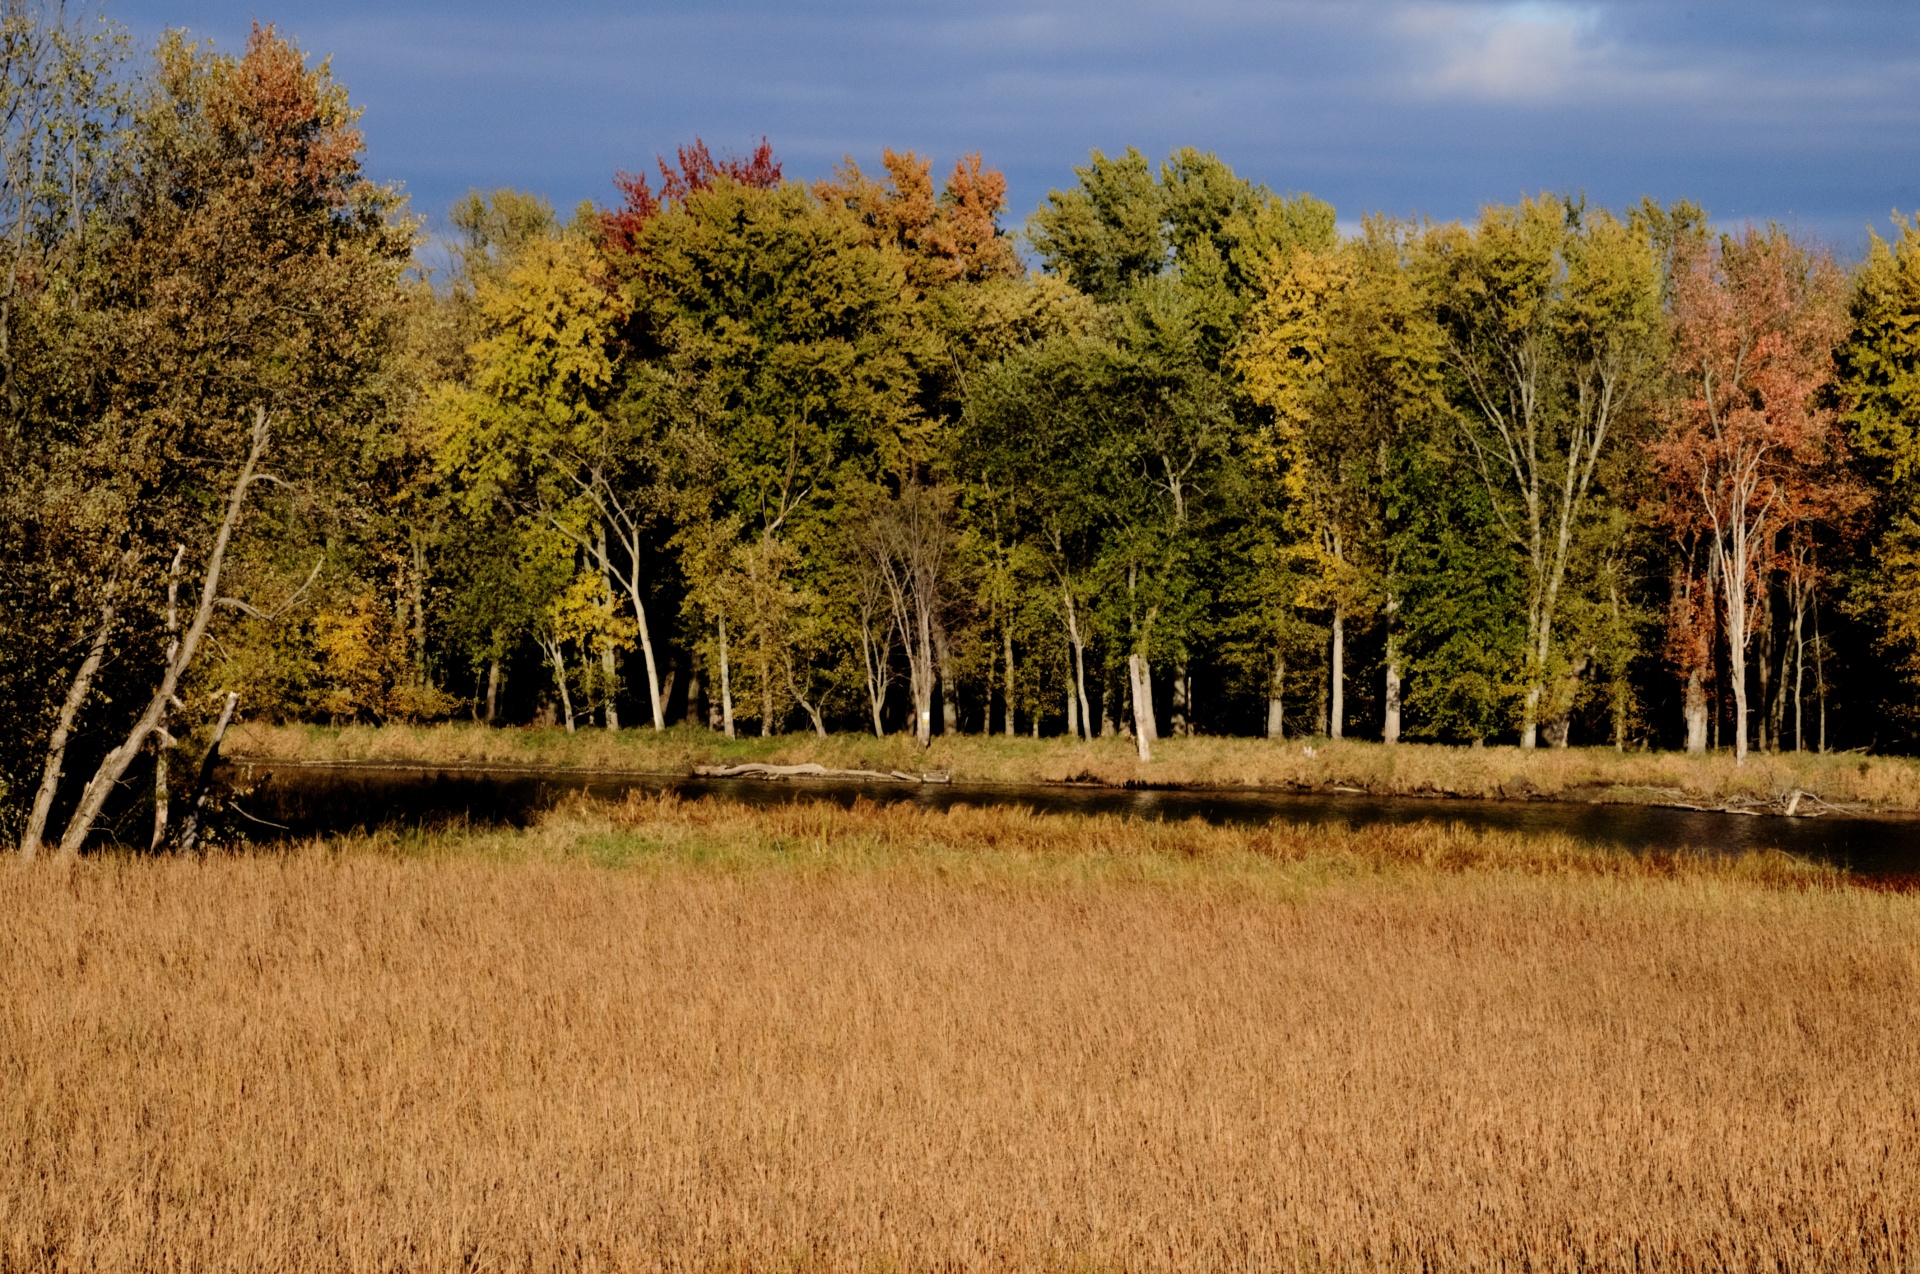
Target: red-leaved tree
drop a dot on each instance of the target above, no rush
(696, 170)
(1750, 455)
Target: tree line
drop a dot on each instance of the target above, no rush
(759, 454)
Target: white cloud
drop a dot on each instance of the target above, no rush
(1504, 53)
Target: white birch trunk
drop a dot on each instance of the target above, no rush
(1073, 707)
(54, 767)
(1277, 700)
(873, 664)
(557, 660)
(949, 688)
(1390, 727)
(1337, 674)
(1007, 637)
(611, 712)
(162, 744)
(1799, 669)
(1390, 731)
(726, 684)
(1077, 674)
(1140, 682)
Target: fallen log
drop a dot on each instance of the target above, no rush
(813, 770)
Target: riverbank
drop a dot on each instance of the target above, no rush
(691, 1034)
(1767, 783)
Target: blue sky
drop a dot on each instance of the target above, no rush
(1806, 113)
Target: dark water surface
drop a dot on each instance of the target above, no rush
(278, 801)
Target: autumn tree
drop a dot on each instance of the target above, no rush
(1550, 320)
(248, 296)
(953, 237)
(63, 571)
(780, 375)
(1879, 383)
(1749, 450)
(542, 425)
(1340, 351)
(1172, 257)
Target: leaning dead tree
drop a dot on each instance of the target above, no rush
(179, 657)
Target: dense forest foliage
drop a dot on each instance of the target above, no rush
(761, 454)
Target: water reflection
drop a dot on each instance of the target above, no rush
(281, 801)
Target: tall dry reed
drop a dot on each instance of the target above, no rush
(805, 1045)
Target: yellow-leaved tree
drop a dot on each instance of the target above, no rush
(539, 430)
(1339, 351)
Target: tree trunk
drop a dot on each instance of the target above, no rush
(1618, 691)
(1337, 672)
(654, 698)
(874, 658)
(696, 686)
(1390, 729)
(793, 688)
(766, 689)
(114, 765)
(203, 782)
(557, 660)
(52, 769)
(1540, 637)
(1277, 700)
(1140, 681)
(610, 690)
(1007, 637)
(1073, 704)
(1820, 673)
(162, 743)
(1763, 669)
(1799, 669)
(1320, 690)
(1694, 707)
(1077, 672)
(493, 690)
(726, 684)
(949, 688)
(1080, 688)
(1180, 722)
(629, 532)
(1559, 730)
(162, 738)
(1777, 703)
(1737, 662)
(1734, 597)
(417, 588)
(922, 677)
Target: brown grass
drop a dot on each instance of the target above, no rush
(1411, 769)
(692, 1036)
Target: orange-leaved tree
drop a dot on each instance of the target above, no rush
(1750, 455)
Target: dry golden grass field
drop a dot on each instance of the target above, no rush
(667, 1035)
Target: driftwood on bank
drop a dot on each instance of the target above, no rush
(815, 770)
(1795, 803)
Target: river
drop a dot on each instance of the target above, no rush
(280, 801)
